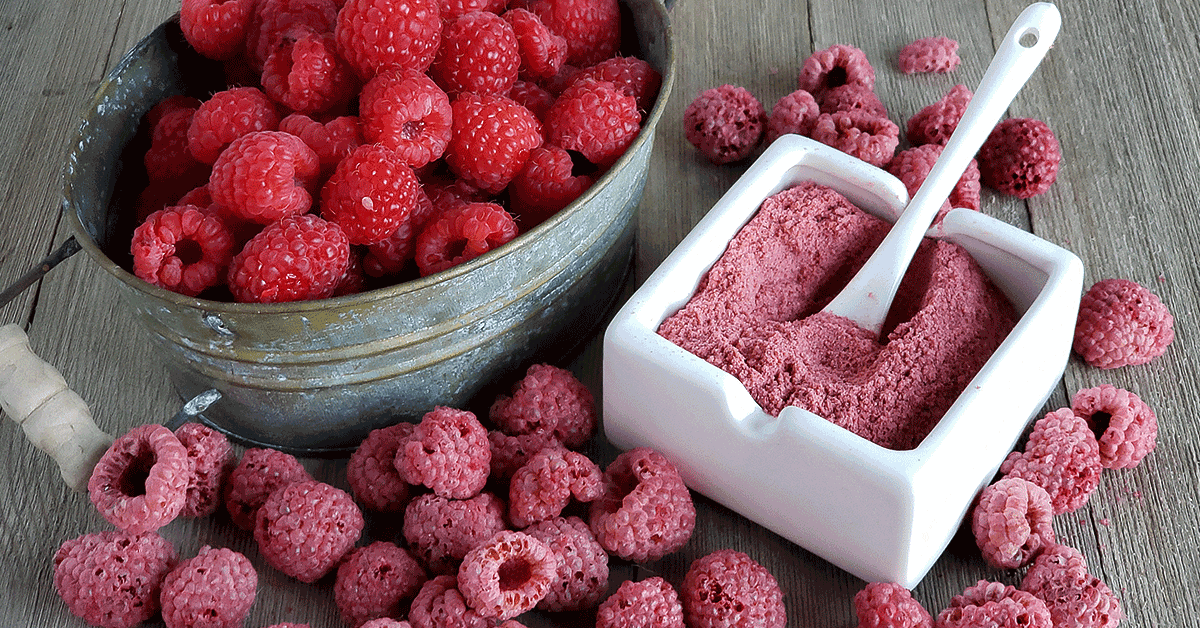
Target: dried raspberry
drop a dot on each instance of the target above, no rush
(912, 166)
(439, 604)
(215, 28)
(511, 452)
(305, 73)
(860, 134)
(725, 123)
(542, 52)
(296, 259)
(936, 123)
(547, 184)
(377, 35)
(331, 141)
(995, 604)
(215, 589)
(646, 511)
(258, 474)
(592, 28)
(1076, 598)
(374, 581)
(795, 113)
(386, 622)
(264, 176)
(274, 20)
(507, 575)
(594, 118)
(407, 112)
(462, 234)
(1012, 522)
(851, 97)
(212, 460)
(1126, 428)
(1122, 323)
(889, 605)
(391, 255)
(547, 398)
(1020, 157)
(371, 471)
(454, 8)
(447, 452)
(112, 579)
(168, 157)
(226, 116)
(140, 483)
(631, 75)
(727, 588)
(651, 603)
(441, 531)
(478, 54)
(1061, 456)
(288, 624)
(305, 528)
(370, 194)
(931, 54)
(491, 140)
(833, 67)
(582, 564)
(182, 248)
(533, 97)
(543, 487)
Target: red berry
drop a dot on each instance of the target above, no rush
(478, 54)
(491, 140)
(594, 118)
(631, 75)
(370, 194)
(592, 28)
(331, 141)
(168, 158)
(264, 176)
(407, 112)
(182, 248)
(305, 73)
(377, 35)
(454, 8)
(542, 52)
(392, 254)
(547, 184)
(274, 19)
(296, 259)
(216, 28)
(461, 235)
(533, 97)
(226, 116)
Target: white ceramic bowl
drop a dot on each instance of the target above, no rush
(880, 514)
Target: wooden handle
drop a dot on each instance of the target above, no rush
(55, 419)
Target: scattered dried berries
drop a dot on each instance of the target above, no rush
(582, 578)
(727, 588)
(371, 470)
(936, 123)
(995, 604)
(1122, 323)
(1074, 597)
(889, 605)
(544, 486)
(725, 123)
(112, 579)
(447, 452)
(212, 461)
(1012, 522)
(1061, 456)
(833, 67)
(1020, 157)
(258, 474)
(441, 531)
(646, 511)
(140, 484)
(214, 589)
(652, 603)
(305, 529)
(931, 54)
(1124, 425)
(507, 575)
(375, 581)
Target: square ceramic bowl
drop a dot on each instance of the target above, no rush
(880, 514)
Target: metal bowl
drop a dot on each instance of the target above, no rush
(317, 376)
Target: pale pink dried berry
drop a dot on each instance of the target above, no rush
(376, 581)
(507, 575)
(259, 473)
(930, 54)
(547, 398)
(582, 568)
(646, 511)
(725, 123)
(439, 604)
(1122, 323)
(1012, 522)
(371, 470)
(994, 604)
(212, 460)
(441, 531)
(1020, 157)
(214, 589)
(858, 133)
(795, 113)
(1062, 456)
(833, 67)
(850, 97)
(1075, 597)
(543, 487)
(935, 123)
(651, 603)
(727, 588)
(1125, 426)
(889, 605)
(511, 452)
(112, 579)
(305, 529)
(447, 452)
(140, 483)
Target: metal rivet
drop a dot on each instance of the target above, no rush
(214, 322)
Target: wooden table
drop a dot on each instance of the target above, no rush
(1118, 89)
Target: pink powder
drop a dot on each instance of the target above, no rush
(756, 315)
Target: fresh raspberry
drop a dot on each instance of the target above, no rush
(592, 28)
(511, 452)
(168, 157)
(1122, 323)
(1125, 426)
(226, 116)
(1012, 522)
(198, 196)
(370, 194)
(582, 564)
(216, 28)
(374, 581)
(727, 588)
(371, 470)
(265, 176)
(725, 123)
(850, 97)
(542, 52)
(533, 97)
(112, 579)
(912, 166)
(331, 141)
(594, 118)
(558, 83)
(491, 140)
(304, 529)
(168, 105)
(479, 54)
(391, 255)
(631, 75)
(441, 531)
(447, 452)
(258, 474)
(377, 35)
(543, 487)
(215, 589)
(860, 134)
(833, 67)
(1020, 157)
(646, 511)
(1061, 456)
(651, 603)
(439, 604)
(305, 73)
(1076, 598)
(140, 483)
(995, 604)
(454, 8)
(889, 605)
(931, 54)
(407, 112)
(182, 248)
(548, 398)
(355, 279)
(936, 123)
(274, 20)
(212, 460)
(296, 259)
(545, 185)
(507, 575)
(795, 113)
(462, 234)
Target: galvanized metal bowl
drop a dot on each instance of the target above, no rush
(317, 376)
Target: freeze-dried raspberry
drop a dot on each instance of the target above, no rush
(543, 487)
(995, 604)
(112, 578)
(912, 166)
(1020, 157)
(461, 235)
(478, 54)
(305, 528)
(296, 259)
(858, 133)
(595, 119)
(140, 483)
(725, 123)
(386, 622)
(258, 474)
(407, 112)
(931, 54)
(264, 176)
(447, 452)
(646, 511)
(1061, 456)
(1012, 522)
(288, 624)
(889, 605)
(1122, 323)
(582, 568)
(547, 398)
(541, 52)
(936, 123)
(1076, 598)
(215, 28)
(273, 20)
(391, 255)
(305, 73)
(331, 141)
(511, 452)
(454, 8)
(533, 97)
(545, 185)
(727, 588)
(507, 575)
(182, 248)
(631, 75)
(851, 97)
(168, 157)
(212, 460)
(441, 531)
(370, 194)
(371, 470)
(833, 67)
(592, 28)
(439, 604)
(226, 116)
(1125, 426)
(215, 589)
(374, 581)
(491, 140)
(651, 603)
(795, 113)
(377, 35)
